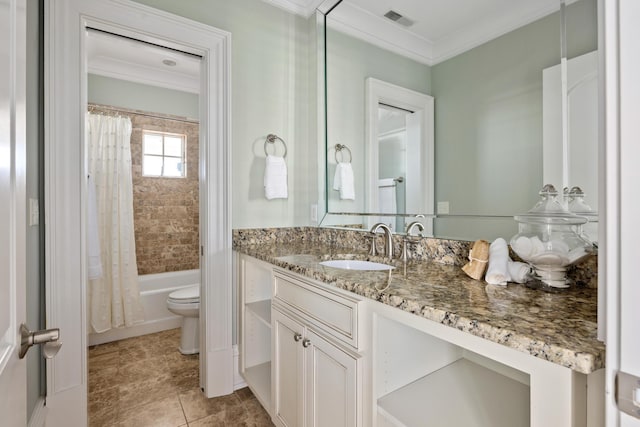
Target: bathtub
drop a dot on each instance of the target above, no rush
(154, 290)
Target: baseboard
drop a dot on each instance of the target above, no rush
(238, 381)
(136, 330)
(39, 414)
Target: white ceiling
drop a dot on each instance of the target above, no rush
(125, 59)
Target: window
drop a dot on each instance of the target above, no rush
(163, 154)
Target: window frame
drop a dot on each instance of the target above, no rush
(163, 156)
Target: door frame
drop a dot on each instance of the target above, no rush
(65, 188)
(621, 206)
(376, 92)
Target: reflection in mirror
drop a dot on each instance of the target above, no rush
(483, 64)
(399, 153)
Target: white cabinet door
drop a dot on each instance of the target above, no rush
(13, 379)
(287, 369)
(315, 382)
(331, 377)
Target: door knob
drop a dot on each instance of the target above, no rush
(48, 337)
(306, 342)
(297, 337)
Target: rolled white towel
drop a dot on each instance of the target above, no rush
(497, 272)
(518, 271)
(344, 182)
(275, 178)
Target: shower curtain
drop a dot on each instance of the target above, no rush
(114, 297)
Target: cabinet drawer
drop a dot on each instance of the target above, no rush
(336, 315)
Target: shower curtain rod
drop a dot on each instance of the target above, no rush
(93, 107)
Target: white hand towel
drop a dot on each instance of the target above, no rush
(94, 268)
(497, 272)
(275, 178)
(344, 182)
(519, 271)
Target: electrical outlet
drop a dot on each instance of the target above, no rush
(314, 213)
(443, 208)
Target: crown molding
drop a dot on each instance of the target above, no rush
(362, 24)
(304, 8)
(124, 70)
(379, 31)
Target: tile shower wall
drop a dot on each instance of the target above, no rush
(166, 210)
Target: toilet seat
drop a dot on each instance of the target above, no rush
(189, 295)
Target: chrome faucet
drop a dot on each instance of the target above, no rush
(388, 240)
(407, 237)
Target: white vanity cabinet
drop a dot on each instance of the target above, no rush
(318, 356)
(254, 291)
(316, 367)
(424, 373)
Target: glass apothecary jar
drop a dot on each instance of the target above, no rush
(550, 239)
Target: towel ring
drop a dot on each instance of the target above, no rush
(339, 148)
(271, 139)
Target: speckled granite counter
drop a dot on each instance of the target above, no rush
(560, 328)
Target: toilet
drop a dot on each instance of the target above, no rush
(185, 302)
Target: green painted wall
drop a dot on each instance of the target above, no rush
(488, 117)
(488, 106)
(271, 93)
(137, 96)
(36, 375)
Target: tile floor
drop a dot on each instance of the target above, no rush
(145, 381)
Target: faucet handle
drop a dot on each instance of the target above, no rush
(373, 251)
(405, 250)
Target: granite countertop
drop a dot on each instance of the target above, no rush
(558, 327)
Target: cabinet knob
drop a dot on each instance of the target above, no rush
(306, 342)
(297, 337)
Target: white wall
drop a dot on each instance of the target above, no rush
(271, 93)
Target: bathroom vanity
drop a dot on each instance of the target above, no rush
(420, 345)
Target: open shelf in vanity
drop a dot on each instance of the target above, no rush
(422, 380)
(255, 322)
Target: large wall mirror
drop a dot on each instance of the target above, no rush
(457, 113)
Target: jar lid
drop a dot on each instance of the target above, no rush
(549, 210)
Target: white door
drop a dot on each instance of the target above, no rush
(331, 376)
(13, 379)
(622, 36)
(574, 164)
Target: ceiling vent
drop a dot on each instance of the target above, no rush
(396, 17)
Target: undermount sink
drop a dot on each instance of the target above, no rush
(352, 264)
